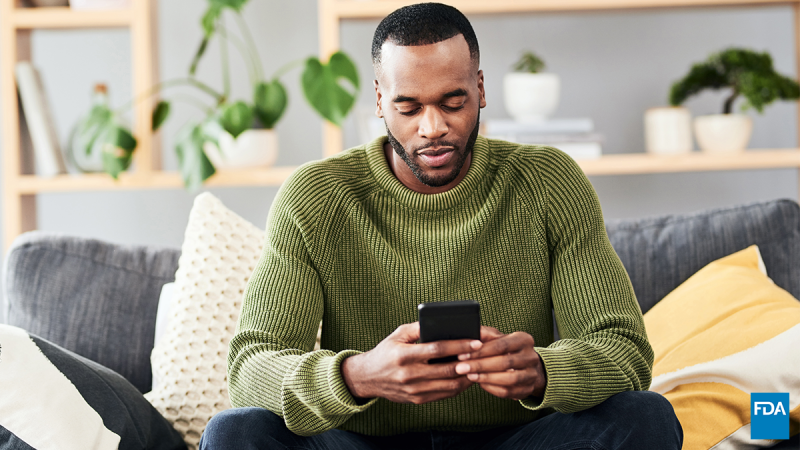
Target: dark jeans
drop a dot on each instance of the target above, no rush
(629, 420)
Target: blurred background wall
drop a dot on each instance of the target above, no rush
(613, 66)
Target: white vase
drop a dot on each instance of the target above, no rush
(723, 133)
(668, 131)
(531, 97)
(252, 148)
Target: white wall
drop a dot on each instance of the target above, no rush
(613, 66)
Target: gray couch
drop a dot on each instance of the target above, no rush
(99, 299)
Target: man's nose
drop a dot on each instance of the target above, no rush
(432, 124)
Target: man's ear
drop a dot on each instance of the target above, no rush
(481, 89)
(378, 96)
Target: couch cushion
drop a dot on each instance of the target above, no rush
(95, 298)
(661, 253)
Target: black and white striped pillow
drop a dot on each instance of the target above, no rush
(51, 398)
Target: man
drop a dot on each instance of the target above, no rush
(434, 212)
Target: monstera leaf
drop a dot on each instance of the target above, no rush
(118, 146)
(194, 164)
(331, 88)
(270, 102)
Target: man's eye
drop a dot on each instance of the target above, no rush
(408, 112)
(453, 107)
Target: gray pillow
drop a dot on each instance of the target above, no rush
(95, 298)
(661, 253)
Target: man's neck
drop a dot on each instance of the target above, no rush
(404, 174)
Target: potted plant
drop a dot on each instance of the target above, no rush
(746, 73)
(232, 133)
(530, 95)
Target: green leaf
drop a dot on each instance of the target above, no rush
(236, 118)
(99, 120)
(194, 164)
(160, 114)
(209, 20)
(331, 88)
(212, 130)
(529, 63)
(235, 5)
(118, 146)
(198, 55)
(270, 101)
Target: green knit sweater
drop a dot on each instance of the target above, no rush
(349, 245)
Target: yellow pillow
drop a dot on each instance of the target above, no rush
(724, 333)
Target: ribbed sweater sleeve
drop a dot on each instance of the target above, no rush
(270, 363)
(603, 348)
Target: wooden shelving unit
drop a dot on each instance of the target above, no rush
(333, 12)
(17, 23)
(20, 190)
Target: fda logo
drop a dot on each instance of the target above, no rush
(769, 417)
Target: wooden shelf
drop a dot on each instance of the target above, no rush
(31, 184)
(622, 164)
(64, 17)
(642, 163)
(366, 9)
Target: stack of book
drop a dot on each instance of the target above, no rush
(575, 137)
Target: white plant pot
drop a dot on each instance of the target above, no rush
(668, 131)
(723, 133)
(531, 97)
(253, 148)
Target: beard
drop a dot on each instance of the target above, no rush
(429, 179)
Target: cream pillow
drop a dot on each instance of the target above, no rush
(218, 255)
(726, 332)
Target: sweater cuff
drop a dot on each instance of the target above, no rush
(561, 381)
(343, 401)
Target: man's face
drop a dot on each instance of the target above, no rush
(430, 97)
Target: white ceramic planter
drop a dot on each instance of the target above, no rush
(668, 131)
(253, 148)
(531, 97)
(723, 133)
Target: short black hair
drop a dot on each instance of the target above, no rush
(423, 24)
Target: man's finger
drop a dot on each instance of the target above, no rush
(407, 333)
(508, 378)
(427, 387)
(440, 349)
(490, 333)
(510, 343)
(499, 363)
(513, 393)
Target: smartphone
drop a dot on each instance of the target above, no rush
(440, 321)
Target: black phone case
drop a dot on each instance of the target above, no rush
(440, 321)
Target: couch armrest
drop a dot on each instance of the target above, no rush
(95, 298)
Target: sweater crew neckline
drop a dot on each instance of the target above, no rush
(429, 202)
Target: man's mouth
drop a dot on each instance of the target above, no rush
(436, 157)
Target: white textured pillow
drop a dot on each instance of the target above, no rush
(219, 252)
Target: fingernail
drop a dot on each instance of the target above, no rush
(472, 377)
(462, 369)
(463, 357)
(476, 345)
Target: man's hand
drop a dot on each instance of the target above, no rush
(397, 369)
(506, 365)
